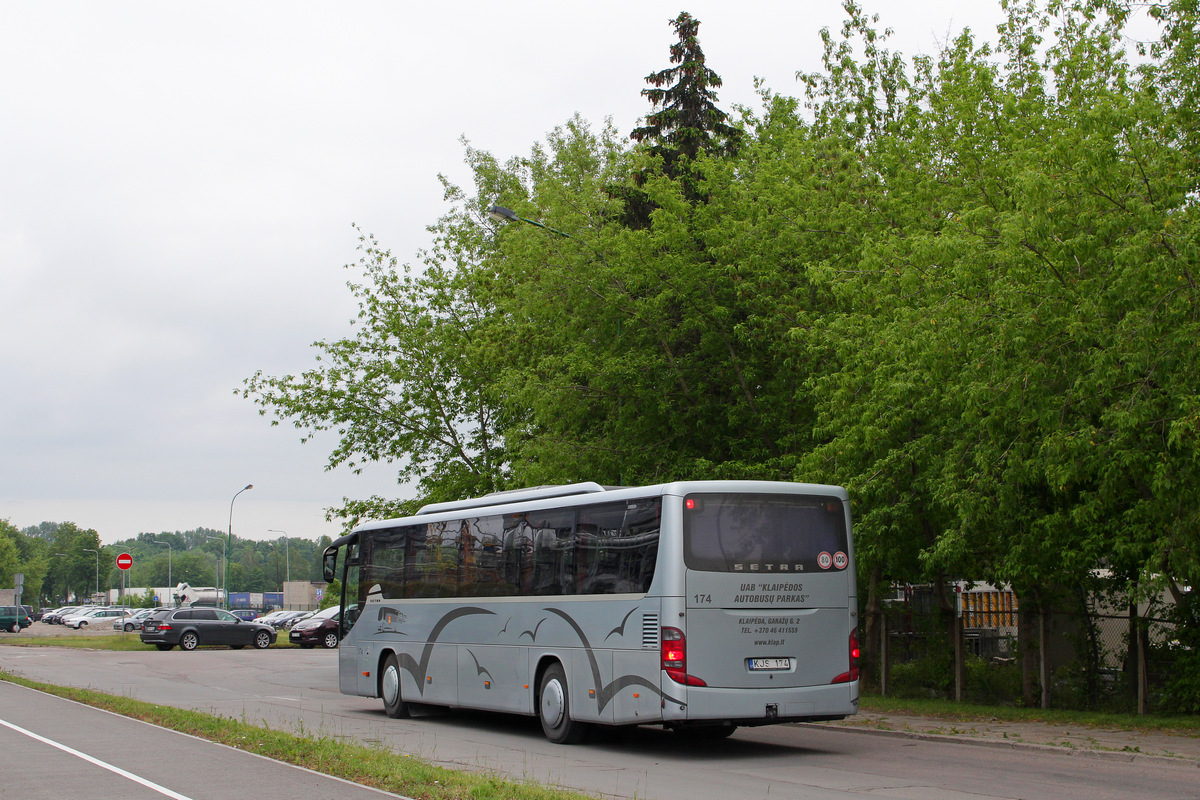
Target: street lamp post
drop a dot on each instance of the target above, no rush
(169, 549)
(286, 552)
(235, 496)
(221, 539)
(65, 584)
(97, 552)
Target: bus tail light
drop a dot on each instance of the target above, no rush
(674, 657)
(855, 653)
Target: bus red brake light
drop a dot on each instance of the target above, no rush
(855, 653)
(674, 657)
(674, 649)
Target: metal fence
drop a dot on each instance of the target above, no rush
(1091, 658)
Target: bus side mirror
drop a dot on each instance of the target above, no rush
(329, 565)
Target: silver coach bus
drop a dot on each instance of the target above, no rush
(699, 605)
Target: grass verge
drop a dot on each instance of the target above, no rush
(966, 712)
(370, 766)
(103, 641)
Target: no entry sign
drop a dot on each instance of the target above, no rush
(124, 561)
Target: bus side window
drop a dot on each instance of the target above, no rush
(553, 552)
(617, 546)
(646, 568)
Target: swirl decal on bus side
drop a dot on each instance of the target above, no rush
(419, 670)
(604, 694)
(607, 692)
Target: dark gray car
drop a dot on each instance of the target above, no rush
(191, 627)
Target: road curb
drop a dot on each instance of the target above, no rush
(964, 739)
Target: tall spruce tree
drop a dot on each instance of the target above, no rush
(685, 123)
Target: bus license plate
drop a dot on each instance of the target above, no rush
(770, 663)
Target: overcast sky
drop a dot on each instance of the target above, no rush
(178, 183)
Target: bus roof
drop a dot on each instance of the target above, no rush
(574, 494)
(514, 496)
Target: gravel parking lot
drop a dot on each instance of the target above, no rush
(40, 629)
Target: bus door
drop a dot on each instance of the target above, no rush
(340, 569)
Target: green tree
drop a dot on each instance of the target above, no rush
(407, 389)
(686, 120)
(1012, 396)
(72, 571)
(685, 123)
(332, 595)
(9, 564)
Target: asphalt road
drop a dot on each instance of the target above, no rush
(54, 748)
(297, 690)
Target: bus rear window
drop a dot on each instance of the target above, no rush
(764, 533)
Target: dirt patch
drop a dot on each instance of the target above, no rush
(42, 629)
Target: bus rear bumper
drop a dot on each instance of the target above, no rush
(763, 706)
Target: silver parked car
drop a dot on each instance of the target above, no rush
(93, 616)
(132, 621)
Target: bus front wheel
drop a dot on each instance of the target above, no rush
(389, 689)
(554, 707)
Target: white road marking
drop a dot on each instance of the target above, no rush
(135, 778)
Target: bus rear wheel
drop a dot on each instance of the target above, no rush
(389, 689)
(554, 708)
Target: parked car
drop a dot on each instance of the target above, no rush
(55, 617)
(191, 627)
(93, 616)
(245, 614)
(33, 615)
(13, 619)
(132, 621)
(270, 617)
(287, 618)
(321, 628)
(72, 610)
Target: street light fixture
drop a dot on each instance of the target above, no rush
(502, 214)
(235, 496)
(169, 549)
(97, 552)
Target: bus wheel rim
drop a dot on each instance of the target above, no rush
(391, 686)
(553, 703)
